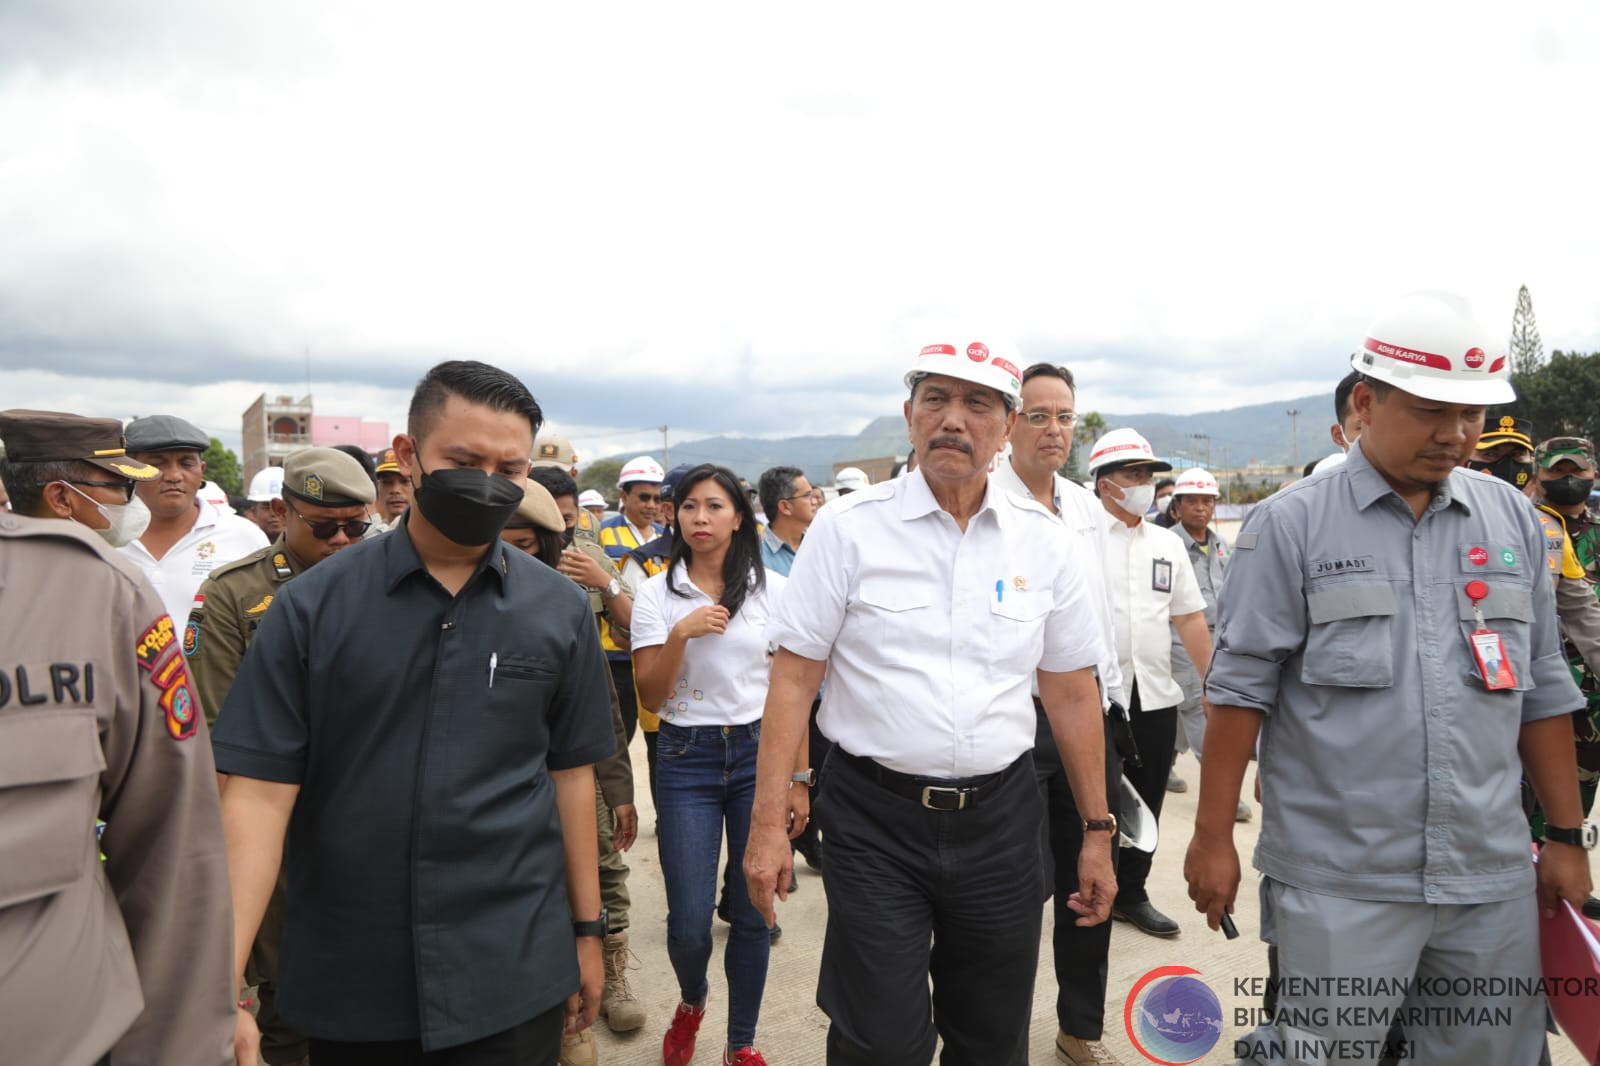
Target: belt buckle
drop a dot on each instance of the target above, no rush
(960, 795)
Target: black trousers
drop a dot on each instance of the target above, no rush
(819, 745)
(627, 696)
(1155, 732)
(536, 1042)
(914, 893)
(1081, 953)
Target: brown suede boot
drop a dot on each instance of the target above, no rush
(622, 1012)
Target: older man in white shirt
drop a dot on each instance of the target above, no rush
(1040, 445)
(1153, 594)
(189, 535)
(933, 602)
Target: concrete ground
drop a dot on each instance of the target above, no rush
(793, 1030)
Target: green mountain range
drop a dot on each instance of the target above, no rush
(1260, 434)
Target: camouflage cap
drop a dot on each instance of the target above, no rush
(326, 477)
(1552, 451)
(55, 436)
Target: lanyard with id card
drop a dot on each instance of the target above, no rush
(1161, 575)
(1487, 649)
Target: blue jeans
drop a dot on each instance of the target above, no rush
(705, 780)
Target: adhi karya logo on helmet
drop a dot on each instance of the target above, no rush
(1474, 357)
(977, 351)
(1172, 1017)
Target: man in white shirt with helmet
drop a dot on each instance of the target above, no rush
(932, 602)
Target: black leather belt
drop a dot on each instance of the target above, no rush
(934, 793)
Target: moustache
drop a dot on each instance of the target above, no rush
(950, 442)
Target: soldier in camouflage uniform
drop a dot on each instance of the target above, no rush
(1566, 469)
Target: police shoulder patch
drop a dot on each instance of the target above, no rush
(154, 642)
(191, 636)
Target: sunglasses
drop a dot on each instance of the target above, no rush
(354, 528)
(125, 486)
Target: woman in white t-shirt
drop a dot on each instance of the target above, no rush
(700, 661)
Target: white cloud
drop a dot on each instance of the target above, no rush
(1195, 206)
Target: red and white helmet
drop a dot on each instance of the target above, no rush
(1429, 344)
(1123, 447)
(1196, 481)
(641, 468)
(995, 362)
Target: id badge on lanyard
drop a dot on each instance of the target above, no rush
(1487, 649)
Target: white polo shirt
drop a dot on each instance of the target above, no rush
(219, 536)
(932, 636)
(723, 677)
(1150, 582)
(1081, 513)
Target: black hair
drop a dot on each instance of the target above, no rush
(1341, 395)
(1050, 370)
(359, 455)
(473, 381)
(741, 567)
(1165, 483)
(555, 479)
(25, 481)
(776, 485)
(1312, 465)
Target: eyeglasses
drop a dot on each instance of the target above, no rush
(355, 528)
(645, 497)
(125, 486)
(813, 495)
(1040, 419)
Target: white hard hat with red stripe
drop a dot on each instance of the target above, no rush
(641, 468)
(1124, 447)
(1196, 481)
(994, 362)
(1430, 345)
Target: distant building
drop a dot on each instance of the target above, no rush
(328, 430)
(272, 429)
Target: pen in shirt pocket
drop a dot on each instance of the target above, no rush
(494, 660)
(1000, 591)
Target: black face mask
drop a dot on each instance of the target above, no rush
(1508, 469)
(468, 506)
(1567, 491)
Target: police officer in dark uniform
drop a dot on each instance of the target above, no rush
(126, 959)
(324, 507)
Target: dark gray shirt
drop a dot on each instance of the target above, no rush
(1388, 770)
(427, 894)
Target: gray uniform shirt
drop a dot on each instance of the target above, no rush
(1388, 770)
(1209, 563)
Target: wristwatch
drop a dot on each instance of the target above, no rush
(1585, 836)
(1107, 824)
(613, 588)
(804, 777)
(599, 927)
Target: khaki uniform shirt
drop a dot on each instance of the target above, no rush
(97, 719)
(230, 604)
(614, 773)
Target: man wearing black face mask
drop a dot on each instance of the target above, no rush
(424, 708)
(1566, 470)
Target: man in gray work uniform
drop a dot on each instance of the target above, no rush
(1393, 847)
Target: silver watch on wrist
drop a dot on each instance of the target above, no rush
(613, 588)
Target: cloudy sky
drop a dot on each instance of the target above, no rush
(746, 218)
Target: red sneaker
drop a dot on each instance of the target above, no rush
(745, 1056)
(677, 1047)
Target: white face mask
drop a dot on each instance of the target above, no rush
(128, 521)
(1136, 499)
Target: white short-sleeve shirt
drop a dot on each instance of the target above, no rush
(723, 677)
(218, 536)
(1151, 582)
(933, 635)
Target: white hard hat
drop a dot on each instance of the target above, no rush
(1124, 447)
(641, 468)
(1429, 344)
(851, 479)
(1196, 482)
(266, 485)
(591, 498)
(993, 363)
